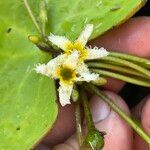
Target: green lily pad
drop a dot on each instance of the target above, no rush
(27, 99)
(68, 17)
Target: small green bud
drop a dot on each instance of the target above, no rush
(35, 39)
(100, 81)
(94, 140)
(38, 41)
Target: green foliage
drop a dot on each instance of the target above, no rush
(27, 99)
(68, 17)
(94, 140)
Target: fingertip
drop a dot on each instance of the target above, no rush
(70, 144)
(117, 130)
(42, 147)
(114, 85)
(142, 113)
(145, 116)
(62, 147)
(118, 101)
(99, 109)
(131, 37)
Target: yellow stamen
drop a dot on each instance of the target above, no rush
(76, 46)
(66, 74)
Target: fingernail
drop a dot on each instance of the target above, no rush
(99, 109)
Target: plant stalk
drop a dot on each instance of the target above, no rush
(133, 80)
(86, 107)
(126, 63)
(117, 68)
(135, 59)
(43, 16)
(28, 8)
(78, 123)
(119, 111)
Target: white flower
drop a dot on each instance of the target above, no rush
(67, 69)
(79, 45)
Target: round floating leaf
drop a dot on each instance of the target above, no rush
(27, 99)
(68, 17)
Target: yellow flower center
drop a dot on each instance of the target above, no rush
(76, 46)
(66, 74)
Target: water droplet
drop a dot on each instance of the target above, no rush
(115, 7)
(99, 4)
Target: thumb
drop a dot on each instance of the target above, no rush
(142, 113)
(118, 132)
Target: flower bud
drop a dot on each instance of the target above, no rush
(100, 81)
(38, 41)
(94, 140)
(35, 39)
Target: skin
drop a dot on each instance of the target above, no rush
(133, 37)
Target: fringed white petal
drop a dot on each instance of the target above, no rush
(85, 34)
(59, 41)
(72, 60)
(53, 64)
(96, 53)
(82, 67)
(85, 74)
(65, 92)
(42, 68)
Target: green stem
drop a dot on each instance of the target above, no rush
(43, 16)
(100, 81)
(43, 28)
(88, 116)
(44, 20)
(119, 61)
(132, 58)
(78, 123)
(118, 110)
(132, 80)
(27, 6)
(115, 68)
